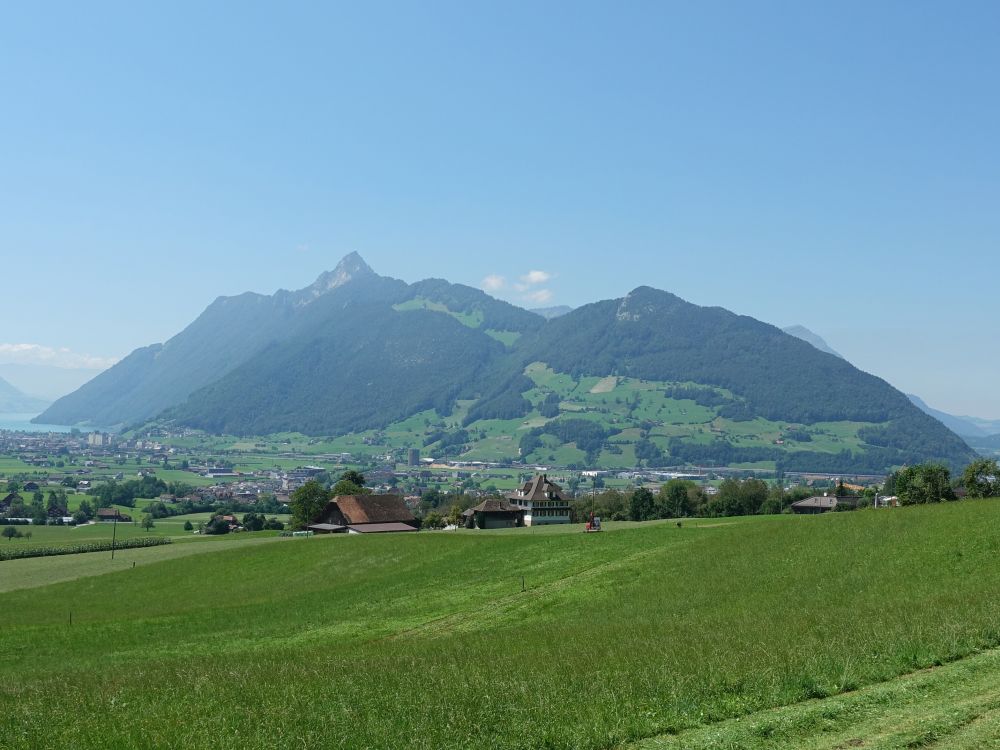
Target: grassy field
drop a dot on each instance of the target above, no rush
(646, 633)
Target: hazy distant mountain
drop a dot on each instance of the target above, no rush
(648, 377)
(801, 332)
(552, 312)
(45, 381)
(967, 427)
(13, 401)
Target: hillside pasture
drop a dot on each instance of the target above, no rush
(427, 640)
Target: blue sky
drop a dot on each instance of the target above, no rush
(834, 165)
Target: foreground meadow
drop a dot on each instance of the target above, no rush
(427, 640)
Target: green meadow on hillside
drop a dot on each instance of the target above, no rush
(428, 640)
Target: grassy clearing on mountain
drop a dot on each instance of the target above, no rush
(427, 640)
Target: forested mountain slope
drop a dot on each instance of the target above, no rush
(648, 378)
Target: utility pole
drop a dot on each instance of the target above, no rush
(114, 533)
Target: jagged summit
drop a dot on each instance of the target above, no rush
(352, 266)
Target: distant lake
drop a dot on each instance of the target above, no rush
(22, 423)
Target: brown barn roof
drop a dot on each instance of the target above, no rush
(349, 510)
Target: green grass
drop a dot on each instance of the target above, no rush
(427, 640)
(954, 706)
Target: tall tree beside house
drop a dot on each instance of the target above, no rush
(641, 506)
(678, 498)
(923, 483)
(307, 501)
(350, 483)
(981, 478)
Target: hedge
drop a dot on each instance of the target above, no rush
(17, 553)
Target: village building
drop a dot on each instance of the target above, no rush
(364, 514)
(542, 502)
(814, 505)
(112, 514)
(494, 514)
(11, 499)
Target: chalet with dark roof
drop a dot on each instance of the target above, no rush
(814, 505)
(542, 502)
(364, 514)
(494, 514)
(111, 515)
(12, 498)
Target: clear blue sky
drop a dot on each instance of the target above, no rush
(829, 164)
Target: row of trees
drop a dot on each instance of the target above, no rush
(932, 483)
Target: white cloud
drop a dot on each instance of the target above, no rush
(533, 278)
(539, 295)
(37, 354)
(493, 283)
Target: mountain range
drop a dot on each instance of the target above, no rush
(645, 378)
(14, 401)
(973, 429)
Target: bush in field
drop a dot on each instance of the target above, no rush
(11, 533)
(433, 520)
(188, 526)
(253, 522)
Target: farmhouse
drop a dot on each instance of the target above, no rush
(364, 514)
(12, 498)
(112, 514)
(542, 502)
(494, 514)
(813, 505)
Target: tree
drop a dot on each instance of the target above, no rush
(641, 505)
(11, 533)
(981, 478)
(738, 498)
(13, 485)
(678, 499)
(188, 526)
(307, 502)
(924, 483)
(433, 520)
(218, 525)
(253, 521)
(80, 518)
(273, 524)
(354, 477)
(86, 508)
(147, 522)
